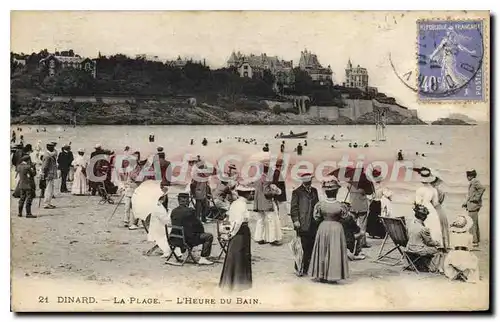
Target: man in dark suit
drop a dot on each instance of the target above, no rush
(27, 175)
(64, 160)
(304, 198)
(194, 232)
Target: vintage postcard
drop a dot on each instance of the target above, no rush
(250, 161)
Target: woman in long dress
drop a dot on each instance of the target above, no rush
(427, 196)
(442, 215)
(329, 261)
(374, 226)
(237, 270)
(79, 186)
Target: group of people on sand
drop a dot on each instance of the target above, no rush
(331, 232)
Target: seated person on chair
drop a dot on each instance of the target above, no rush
(353, 236)
(420, 242)
(224, 195)
(194, 233)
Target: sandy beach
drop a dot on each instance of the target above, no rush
(72, 251)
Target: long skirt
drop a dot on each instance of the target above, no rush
(374, 226)
(329, 258)
(237, 271)
(444, 226)
(79, 186)
(268, 228)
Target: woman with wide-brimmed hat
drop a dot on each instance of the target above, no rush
(329, 261)
(427, 196)
(460, 263)
(439, 209)
(237, 270)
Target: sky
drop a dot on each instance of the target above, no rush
(370, 39)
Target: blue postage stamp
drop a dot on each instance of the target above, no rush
(450, 60)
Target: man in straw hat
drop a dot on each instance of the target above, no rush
(304, 199)
(474, 202)
(193, 228)
(49, 174)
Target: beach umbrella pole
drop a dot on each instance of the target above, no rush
(117, 204)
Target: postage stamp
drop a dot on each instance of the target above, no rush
(450, 60)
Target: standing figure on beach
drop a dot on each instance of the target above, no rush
(237, 270)
(200, 190)
(304, 199)
(359, 208)
(27, 172)
(281, 199)
(151, 138)
(441, 213)
(282, 147)
(204, 142)
(13, 137)
(374, 226)
(79, 187)
(131, 183)
(64, 160)
(267, 228)
(473, 203)
(329, 256)
(400, 155)
(49, 174)
(427, 196)
(21, 140)
(266, 147)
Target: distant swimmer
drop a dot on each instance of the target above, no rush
(400, 155)
(299, 149)
(355, 145)
(305, 142)
(266, 147)
(423, 154)
(204, 142)
(432, 143)
(416, 153)
(350, 144)
(151, 137)
(366, 145)
(333, 137)
(192, 142)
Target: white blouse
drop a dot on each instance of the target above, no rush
(238, 214)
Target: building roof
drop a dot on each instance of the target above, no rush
(64, 59)
(259, 61)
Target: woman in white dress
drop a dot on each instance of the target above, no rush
(428, 196)
(79, 186)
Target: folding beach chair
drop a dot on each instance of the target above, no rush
(395, 230)
(105, 197)
(176, 238)
(224, 243)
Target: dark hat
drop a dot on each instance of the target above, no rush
(25, 158)
(331, 185)
(51, 144)
(27, 148)
(471, 173)
(306, 177)
(183, 195)
(54, 143)
(66, 147)
(159, 149)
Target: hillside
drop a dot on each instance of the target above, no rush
(463, 117)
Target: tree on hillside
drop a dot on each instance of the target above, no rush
(303, 82)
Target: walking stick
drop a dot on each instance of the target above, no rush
(117, 204)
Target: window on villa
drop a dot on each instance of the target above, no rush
(245, 67)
